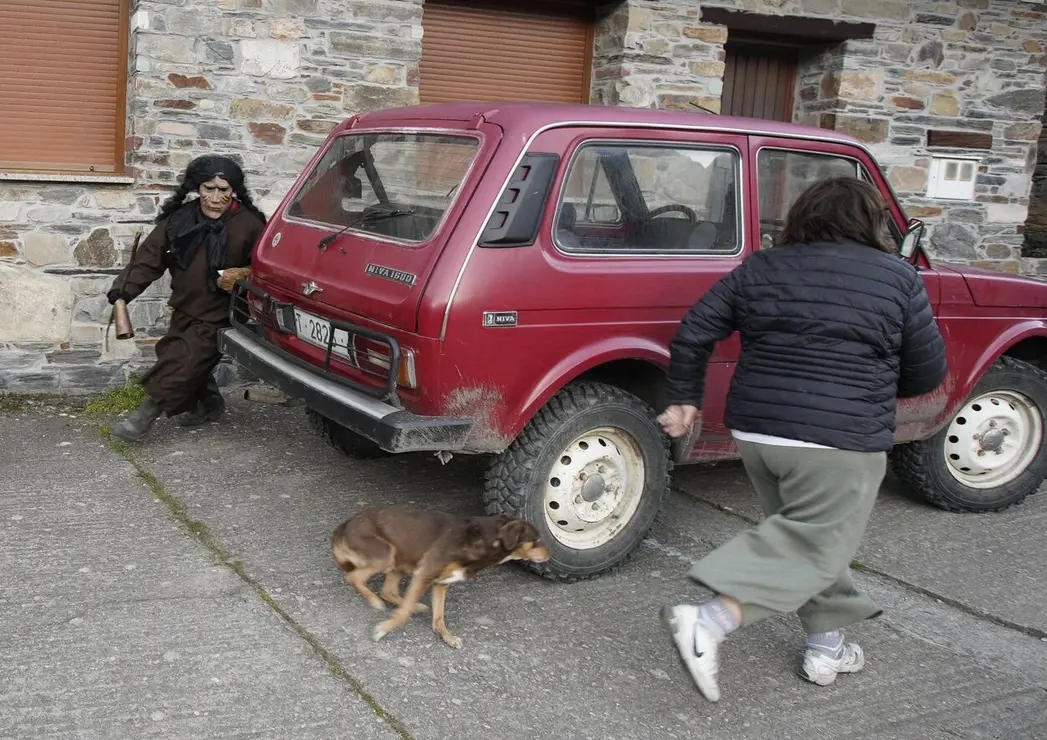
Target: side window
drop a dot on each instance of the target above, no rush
(650, 199)
(783, 176)
(893, 234)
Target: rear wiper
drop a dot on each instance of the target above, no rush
(365, 218)
(372, 216)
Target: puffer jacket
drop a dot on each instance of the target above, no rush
(832, 335)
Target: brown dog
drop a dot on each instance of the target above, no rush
(433, 548)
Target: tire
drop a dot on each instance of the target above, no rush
(992, 454)
(351, 444)
(594, 432)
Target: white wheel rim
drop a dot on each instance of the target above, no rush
(993, 439)
(594, 488)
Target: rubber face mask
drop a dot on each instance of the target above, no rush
(216, 196)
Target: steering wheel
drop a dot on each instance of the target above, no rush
(660, 210)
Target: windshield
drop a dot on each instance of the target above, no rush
(393, 185)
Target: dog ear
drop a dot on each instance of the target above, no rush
(512, 533)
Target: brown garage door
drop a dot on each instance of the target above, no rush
(485, 51)
(62, 85)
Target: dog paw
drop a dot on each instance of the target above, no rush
(452, 640)
(377, 604)
(378, 633)
(421, 608)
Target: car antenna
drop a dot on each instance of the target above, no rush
(704, 110)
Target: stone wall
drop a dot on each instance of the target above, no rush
(818, 84)
(1035, 246)
(261, 80)
(971, 65)
(658, 55)
(266, 80)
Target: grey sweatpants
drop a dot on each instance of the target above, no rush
(817, 503)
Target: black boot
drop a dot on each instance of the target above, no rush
(136, 425)
(207, 410)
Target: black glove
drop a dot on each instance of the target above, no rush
(114, 295)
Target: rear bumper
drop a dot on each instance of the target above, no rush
(391, 428)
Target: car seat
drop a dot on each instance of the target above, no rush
(565, 235)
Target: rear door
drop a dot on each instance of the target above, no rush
(658, 217)
(640, 224)
(365, 227)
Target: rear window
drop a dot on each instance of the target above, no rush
(393, 185)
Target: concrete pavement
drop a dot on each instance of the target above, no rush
(184, 589)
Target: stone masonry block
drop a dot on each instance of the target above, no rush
(42, 248)
(276, 59)
(37, 307)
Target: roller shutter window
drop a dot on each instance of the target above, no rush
(759, 81)
(474, 51)
(62, 85)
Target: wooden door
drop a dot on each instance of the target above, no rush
(759, 81)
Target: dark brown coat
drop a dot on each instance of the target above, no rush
(188, 353)
(189, 292)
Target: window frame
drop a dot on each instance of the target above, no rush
(740, 195)
(861, 172)
(939, 187)
(438, 229)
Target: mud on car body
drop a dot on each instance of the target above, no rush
(505, 280)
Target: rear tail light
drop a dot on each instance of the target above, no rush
(377, 358)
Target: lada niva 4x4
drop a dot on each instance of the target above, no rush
(505, 280)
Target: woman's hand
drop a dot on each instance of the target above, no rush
(678, 420)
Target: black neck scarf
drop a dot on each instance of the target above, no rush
(187, 229)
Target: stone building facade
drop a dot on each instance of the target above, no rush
(1035, 246)
(266, 80)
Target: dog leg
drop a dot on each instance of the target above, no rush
(419, 583)
(358, 579)
(391, 592)
(439, 596)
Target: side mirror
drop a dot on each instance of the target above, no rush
(911, 242)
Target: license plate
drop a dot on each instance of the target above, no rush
(317, 331)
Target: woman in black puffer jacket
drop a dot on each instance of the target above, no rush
(834, 329)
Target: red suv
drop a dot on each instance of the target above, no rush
(505, 280)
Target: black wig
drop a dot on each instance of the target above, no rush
(205, 168)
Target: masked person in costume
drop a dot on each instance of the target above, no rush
(194, 240)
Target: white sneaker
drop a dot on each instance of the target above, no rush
(698, 649)
(820, 668)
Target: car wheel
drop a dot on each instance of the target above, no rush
(991, 455)
(590, 471)
(347, 441)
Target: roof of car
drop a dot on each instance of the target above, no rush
(530, 117)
